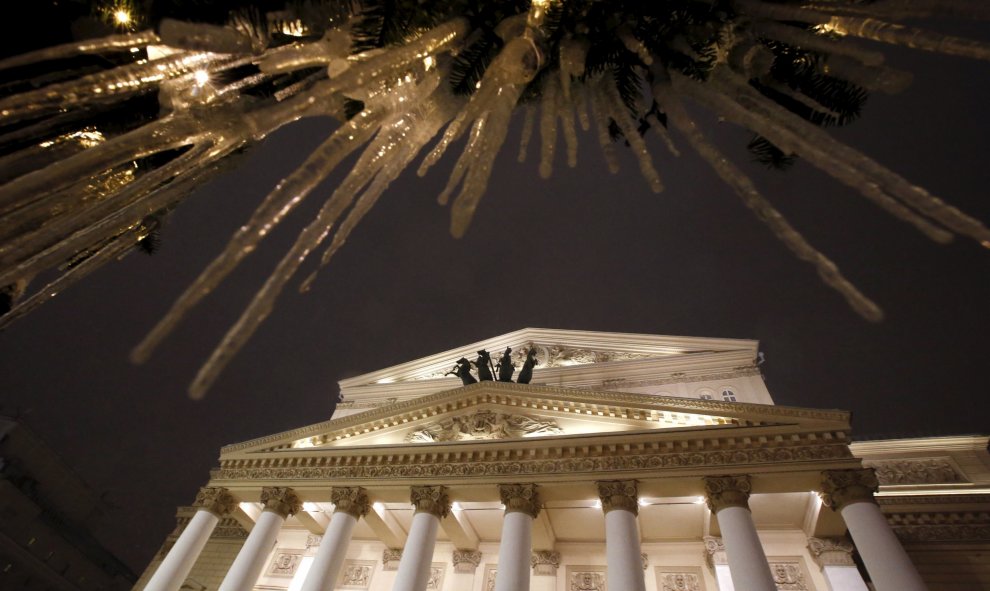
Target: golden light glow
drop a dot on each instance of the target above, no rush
(201, 77)
(122, 17)
(834, 27)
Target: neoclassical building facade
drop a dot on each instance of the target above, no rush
(627, 463)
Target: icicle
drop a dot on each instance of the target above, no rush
(88, 46)
(527, 131)
(100, 87)
(601, 119)
(286, 196)
(565, 110)
(202, 37)
(581, 105)
(548, 126)
(573, 53)
(880, 78)
(617, 109)
(810, 41)
(894, 34)
(634, 45)
(752, 198)
(803, 99)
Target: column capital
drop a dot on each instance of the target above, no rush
(831, 551)
(619, 494)
(545, 562)
(431, 499)
(352, 500)
(466, 561)
(714, 552)
(216, 500)
(520, 498)
(281, 500)
(844, 487)
(727, 491)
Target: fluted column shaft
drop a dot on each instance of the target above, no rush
(212, 503)
(728, 498)
(279, 503)
(350, 505)
(522, 505)
(432, 504)
(620, 502)
(850, 492)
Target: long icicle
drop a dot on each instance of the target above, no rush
(752, 199)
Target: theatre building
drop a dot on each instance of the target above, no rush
(626, 463)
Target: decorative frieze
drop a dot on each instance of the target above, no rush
(216, 500)
(915, 471)
(954, 526)
(727, 491)
(466, 561)
(484, 424)
(843, 487)
(831, 551)
(285, 563)
(545, 562)
(680, 578)
(612, 458)
(521, 498)
(431, 499)
(313, 540)
(352, 500)
(585, 578)
(391, 558)
(281, 500)
(619, 494)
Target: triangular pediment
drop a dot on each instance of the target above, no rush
(495, 412)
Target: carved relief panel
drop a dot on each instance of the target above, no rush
(680, 578)
(586, 578)
(435, 582)
(356, 574)
(490, 571)
(285, 563)
(789, 573)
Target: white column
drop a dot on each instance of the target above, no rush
(834, 556)
(432, 504)
(350, 504)
(850, 492)
(728, 498)
(623, 554)
(213, 504)
(522, 505)
(280, 502)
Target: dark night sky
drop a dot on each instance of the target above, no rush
(583, 250)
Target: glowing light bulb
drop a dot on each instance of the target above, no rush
(122, 16)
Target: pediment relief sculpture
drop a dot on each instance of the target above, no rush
(484, 424)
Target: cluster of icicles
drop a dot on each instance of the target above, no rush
(50, 216)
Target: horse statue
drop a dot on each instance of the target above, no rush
(484, 365)
(505, 366)
(463, 371)
(526, 373)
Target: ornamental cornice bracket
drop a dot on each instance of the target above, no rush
(280, 500)
(216, 500)
(727, 491)
(619, 494)
(841, 488)
(352, 500)
(430, 499)
(520, 498)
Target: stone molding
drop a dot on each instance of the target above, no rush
(682, 379)
(391, 558)
(955, 526)
(714, 552)
(352, 500)
(216, 500)
(280, 500)
(534, 397)
(611, 458)
(915, 471)
(482, 425)
(844, 487)
(831, 551)
(466, 561)
(727, 491)
(431, 499)
(520, 498)
(934, 499)
(545, 562)
(618, 494)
